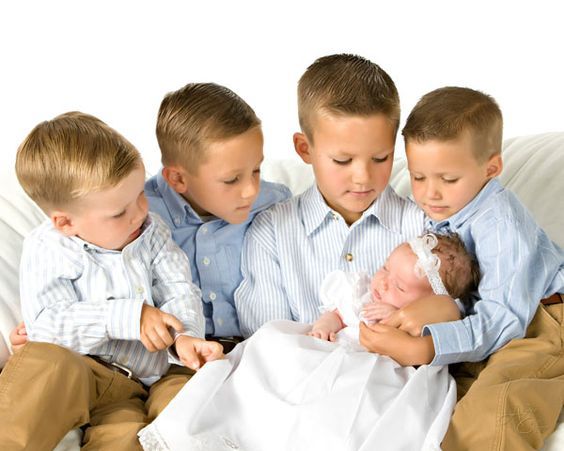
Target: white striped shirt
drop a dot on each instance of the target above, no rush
(519, 265)
(89, 299)
(292, 246)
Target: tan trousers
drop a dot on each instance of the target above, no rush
(512, 400)
(47, 390)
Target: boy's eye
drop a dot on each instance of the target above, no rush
(232, 181)
(381, 160)
(342, 162)
(450, 180)
(417, 178)
(119, 215)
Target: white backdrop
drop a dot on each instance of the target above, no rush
(117, 58)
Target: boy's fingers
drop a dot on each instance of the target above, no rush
(173, 322)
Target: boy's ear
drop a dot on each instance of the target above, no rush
(175, 176)
(494, 166)
(301, 144)
(63, 222)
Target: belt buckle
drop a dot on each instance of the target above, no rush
(126, 371)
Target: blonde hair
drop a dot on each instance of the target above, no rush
(195, 115)
(345, 84)
(446, 113)
(459, 270)
(65, 158)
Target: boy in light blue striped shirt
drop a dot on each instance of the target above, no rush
(210, 190)
(513, 400)
(350, 219)
(106, 296)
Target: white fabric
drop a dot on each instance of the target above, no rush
(533, 167)
(283, 390)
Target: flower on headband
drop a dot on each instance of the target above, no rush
(428, 264)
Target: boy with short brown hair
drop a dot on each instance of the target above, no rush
(511, 401)
(102, 288)
(350, 219)
(209, 191)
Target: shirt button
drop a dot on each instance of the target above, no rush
(212, 296)
(206, 261)
(220, 321)
(335, 216)
(204, 230)
(177, 220)
(349, 257)
(139, 290)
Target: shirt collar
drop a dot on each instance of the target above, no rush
(457, 220)
(318, 211)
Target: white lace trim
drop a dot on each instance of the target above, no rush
(428, 264)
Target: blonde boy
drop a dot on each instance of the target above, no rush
(350, 219)
(104, 292)
(210, 190)
(511, 401)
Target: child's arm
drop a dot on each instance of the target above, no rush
(327, 326)
(195, 352)
(261, 296)
(397, 344)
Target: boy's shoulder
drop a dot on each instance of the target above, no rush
(271, 193)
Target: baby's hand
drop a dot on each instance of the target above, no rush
(194, 352)
(155, 335)
(374, 312)
(18, 337)
(322, 333)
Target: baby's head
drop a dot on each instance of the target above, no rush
(453, 139)
(430, 264)
(86, 177)
(211, 145)
(349, 112)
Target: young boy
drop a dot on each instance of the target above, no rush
(104, 292)
(210, 190)
(350, 219)
(453, 145)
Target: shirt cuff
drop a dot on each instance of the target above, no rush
(448, 343)
(124, 319)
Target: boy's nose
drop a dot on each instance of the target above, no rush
(361, 174)
(250, 189)
(432, 190)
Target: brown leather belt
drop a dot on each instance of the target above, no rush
(556, 298)
(228, 343)
(115, 367)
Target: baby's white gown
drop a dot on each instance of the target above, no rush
(283, 390)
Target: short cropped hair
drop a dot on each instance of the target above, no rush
(345, 85)
(65, 158)
(196, 115)
(445, 113)
(459, 270)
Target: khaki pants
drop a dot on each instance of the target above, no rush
(512, 400)
(47, 390)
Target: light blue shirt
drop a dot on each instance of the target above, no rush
(519, 266)
(89, 299)
(291, 247)
(213, 248)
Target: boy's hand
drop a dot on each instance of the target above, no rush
(318, 331)
(155, 334)
(194, 352)
(397, 344)
(428, 310)
(374, 312)
(18, 337)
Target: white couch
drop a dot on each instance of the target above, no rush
(533, 169)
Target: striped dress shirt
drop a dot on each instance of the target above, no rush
(291, 247)
(519, 265)
(89, 299)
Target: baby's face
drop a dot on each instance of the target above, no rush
(396, 282)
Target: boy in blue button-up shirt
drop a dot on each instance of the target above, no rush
(210, 190)
(513, 399)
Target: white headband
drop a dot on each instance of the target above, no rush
(428, 264)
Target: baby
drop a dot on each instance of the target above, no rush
(429, 264)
